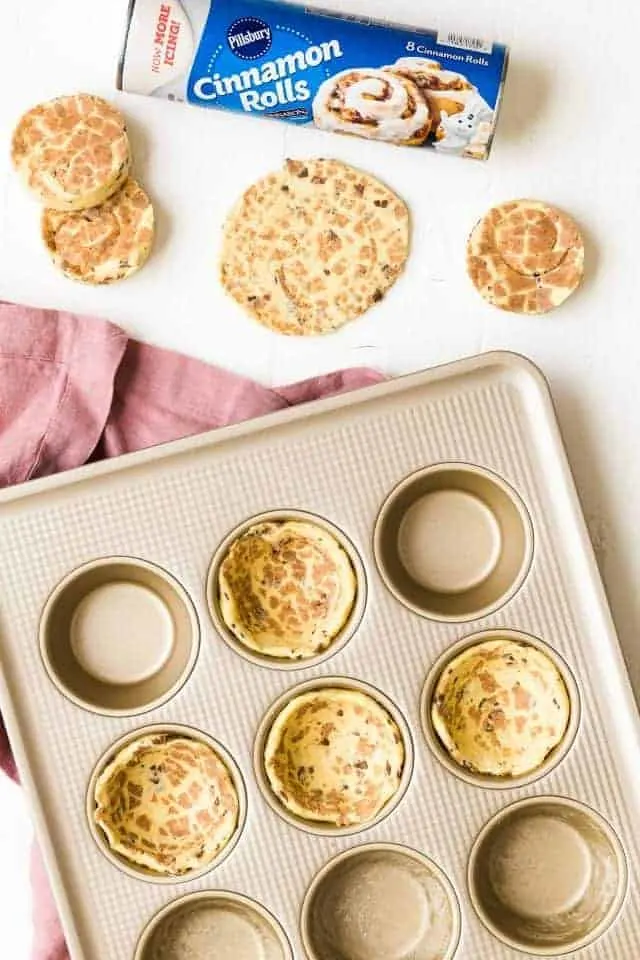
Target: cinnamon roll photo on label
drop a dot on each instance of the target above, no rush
(402, 85)
(375, 104)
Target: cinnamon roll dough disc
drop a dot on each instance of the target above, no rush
(525, 256)
(286, 589)
(334, 756)
(313, 246)
(167, 804)
(73, 152)
(374, 104)
(512, 731)
(105, 243)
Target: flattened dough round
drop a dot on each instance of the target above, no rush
(105, 243)
(313, 246)
(525, 256)
(73, 152)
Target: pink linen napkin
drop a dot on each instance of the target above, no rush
(74, 389)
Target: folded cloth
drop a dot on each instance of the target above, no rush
(74, 389)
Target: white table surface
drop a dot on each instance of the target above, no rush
(568, 134)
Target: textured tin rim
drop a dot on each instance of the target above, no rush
(507, 489)
(488, 781)
(180, 592)
(398, 848)
(321, 828)
(616, 904)
(191, 733)
(346, 633)
(204, 896)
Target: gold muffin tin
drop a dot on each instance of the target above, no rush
(451, 494)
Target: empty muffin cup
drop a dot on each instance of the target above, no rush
(500, 708)
(453, 542)
(333, 756)
(547, 876)
(166, 803)
(211, 924)
(286, 589)
(119, 636)
(380, 902)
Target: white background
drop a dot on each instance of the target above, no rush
(568, 134)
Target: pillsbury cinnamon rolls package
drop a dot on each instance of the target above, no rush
(413, 87)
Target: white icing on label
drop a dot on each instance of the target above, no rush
(376, 95)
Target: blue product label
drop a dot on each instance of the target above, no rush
(382, 82)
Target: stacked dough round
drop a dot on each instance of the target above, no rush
(104, 243)
(74, 154)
